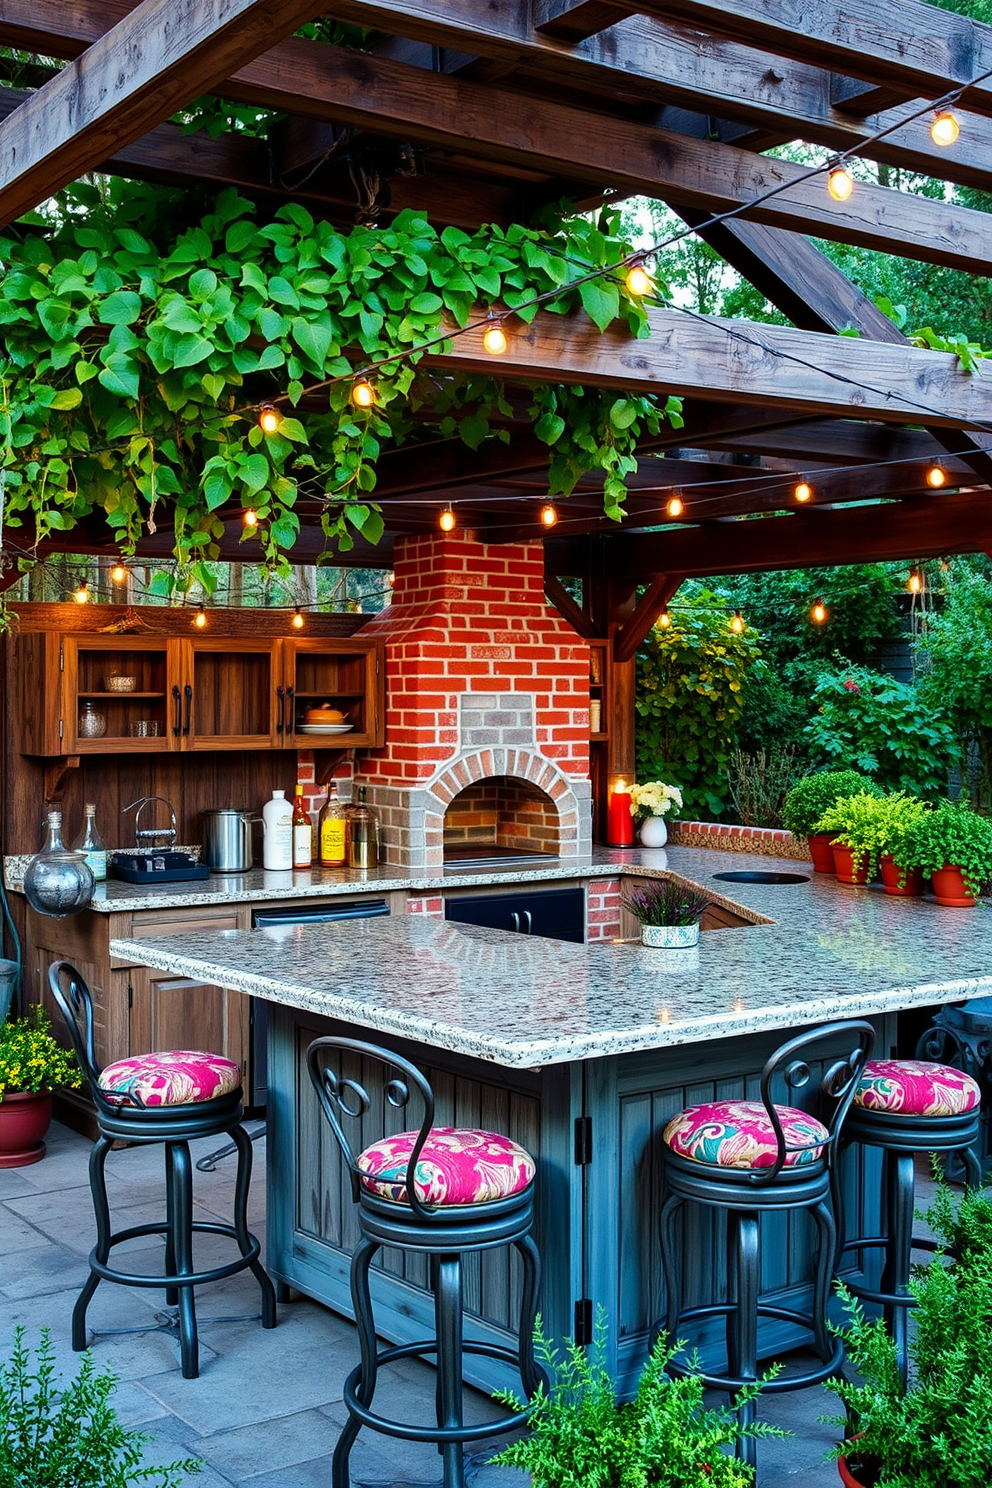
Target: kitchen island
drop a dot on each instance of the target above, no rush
(581, 1053)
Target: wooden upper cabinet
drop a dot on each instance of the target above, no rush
(350, 675)
(194, 693)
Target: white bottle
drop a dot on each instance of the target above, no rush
(277, 824)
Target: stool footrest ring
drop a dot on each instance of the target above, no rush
(439, 1434)
(770, 1387)
(193, 1278)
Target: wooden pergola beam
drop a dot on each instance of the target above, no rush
(393, 98)
(629, 636)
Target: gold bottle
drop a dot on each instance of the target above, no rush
(363, 834)
(332, 834)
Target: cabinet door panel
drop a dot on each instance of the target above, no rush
(556, 913)
(229, 694)
(172, 1012)
(137, 721)
(348, 676)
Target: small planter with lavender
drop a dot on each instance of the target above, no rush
(807, 801)
(649, 805)
(32, 1064)
(668, 912)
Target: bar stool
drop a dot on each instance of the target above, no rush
(442, 1192)
(905, 1106)
(170, 1098)
(752, 1158)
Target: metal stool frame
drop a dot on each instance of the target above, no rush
(125, 1118)
(444, 1234)
(901, 1137)
(746, 1194)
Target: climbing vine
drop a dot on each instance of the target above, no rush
(139, 342)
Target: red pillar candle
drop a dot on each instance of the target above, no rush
(619, 822)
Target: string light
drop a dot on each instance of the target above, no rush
(840, 182)
(818, 614)
(82, 594)
(915, 581)
(494, 339)
(737, 622)
(268, 419)
(200, 618)
(936, 477)
(362, 393)
(119, 574)
(297, 621)
(639, 281)
(945, 128)
(548, 515)
(446, 521)
(675, 505)
(803, 491)
(250, 518)
(664, 619)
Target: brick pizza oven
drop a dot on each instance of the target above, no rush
(487, 707)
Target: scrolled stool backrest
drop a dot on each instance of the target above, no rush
(341, 1097)
(837, 1089)
(75, 1003)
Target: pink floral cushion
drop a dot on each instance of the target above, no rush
(457, 1166)
(912, 1087)
(181, 1077)
(738, 1134)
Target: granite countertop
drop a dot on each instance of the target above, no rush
(817, 952)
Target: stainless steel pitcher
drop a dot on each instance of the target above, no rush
(226, 845)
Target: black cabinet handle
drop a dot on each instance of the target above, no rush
(291, 711)
(189, 708)
(281, 695)
(177, 699)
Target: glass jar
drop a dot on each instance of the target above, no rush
(92, 723)
(363, 834)
(58, 882)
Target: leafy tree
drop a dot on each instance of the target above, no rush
(954, 657)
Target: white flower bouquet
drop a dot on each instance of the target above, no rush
(654, 799)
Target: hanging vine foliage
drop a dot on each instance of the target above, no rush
(138, 346)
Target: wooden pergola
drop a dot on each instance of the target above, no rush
(483, 110)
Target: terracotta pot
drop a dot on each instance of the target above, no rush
(24, 1120)
(844, 864)
(913, 884)
(821, 852)
(949, 889)
(866, 1476)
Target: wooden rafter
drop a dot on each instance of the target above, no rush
(567, 608)
(633, 631)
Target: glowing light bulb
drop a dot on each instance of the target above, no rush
(200, 618)
(818, 613)
(639, 281)
(268, 418)
(82, 594)
(118, 574)
(803, 491)
(297, 621)
(840, 182)
(664, 619)
(446, 521)
(391, 579)
(362, 393)
(936, 477)
(915, 581)
(675, 506)
(494, 339)
(945, 128)
(737, 622)
(548, 515)
(250, 517)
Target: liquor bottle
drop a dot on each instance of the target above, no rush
(277, 843)
(90, 844)
(302, 833)
(333, 852)
(363, 834)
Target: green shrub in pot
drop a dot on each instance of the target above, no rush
(580, 1437)
(872, 825)
(810, 797)
(952, 834)
(937, 1433)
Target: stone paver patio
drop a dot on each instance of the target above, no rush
(266, 1409)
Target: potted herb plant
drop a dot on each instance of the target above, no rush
(952, 845)
(31, 1065)
(668, 912)
(69, 1435)
(810, 797)
(665, 1437)
(649, 805)
(937, 1433)
(869, 832)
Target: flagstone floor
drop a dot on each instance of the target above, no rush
(266, 1409)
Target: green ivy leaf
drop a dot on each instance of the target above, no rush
(120, 375)
(601, 301)
(67, 398)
